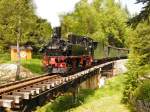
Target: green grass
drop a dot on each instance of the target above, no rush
(106, 99)
(4, 58)
(34, 65)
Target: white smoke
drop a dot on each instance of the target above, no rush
(51, 9)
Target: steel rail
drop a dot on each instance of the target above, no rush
(20, 84)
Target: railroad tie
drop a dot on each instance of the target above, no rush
(63, 79)
(73, 77)
(48, 85)
(32, 91)
(66, 79)
(56, 82)
(70, 78)
(6, 103)
(25, 95)
(42, 87)
(37, 90)
(53, 84)
(16, 98)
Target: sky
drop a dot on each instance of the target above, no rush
(133, 8)
(51, 9)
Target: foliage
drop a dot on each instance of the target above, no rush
(139, 56)
(140, 45)
(102, 20)
(100, 100)
(4, 58)
(143, 15)
(139, 59)
(133, 80)
(131, 83)
(17, 19)
(39, 35)
(143, 91)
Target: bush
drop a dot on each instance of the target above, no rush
(143, 91)
(131, 84)
(133, 81)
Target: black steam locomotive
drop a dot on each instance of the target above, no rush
(62, 56)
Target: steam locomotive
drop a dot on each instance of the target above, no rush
(62, 56)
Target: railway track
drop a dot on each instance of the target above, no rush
(14, 95)
(8, 88)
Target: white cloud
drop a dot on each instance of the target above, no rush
(50, 9)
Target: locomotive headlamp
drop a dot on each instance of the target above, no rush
(65, 48)
(90, 46)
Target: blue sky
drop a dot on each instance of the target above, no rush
(51, 9)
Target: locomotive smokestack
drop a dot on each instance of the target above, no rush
(57, 32)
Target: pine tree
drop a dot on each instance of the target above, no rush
(143, 15)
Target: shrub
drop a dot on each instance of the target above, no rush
(143, 91)
(133, 81)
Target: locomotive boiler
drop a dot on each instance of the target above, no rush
(63, 57)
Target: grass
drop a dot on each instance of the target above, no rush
(34, 65)
(106, 99)
(4, 58)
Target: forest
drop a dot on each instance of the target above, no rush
(103, 20)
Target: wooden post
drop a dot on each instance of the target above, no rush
(108, 52)
(18, 52)
(74, 90)
(75, 94)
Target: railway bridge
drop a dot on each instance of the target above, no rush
(25, 95)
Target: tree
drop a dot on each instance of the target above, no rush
(39, 35)
(143, 15)
(13, 11)
(17, 24)
(139, 57)
(99, 20)
(17, 18)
